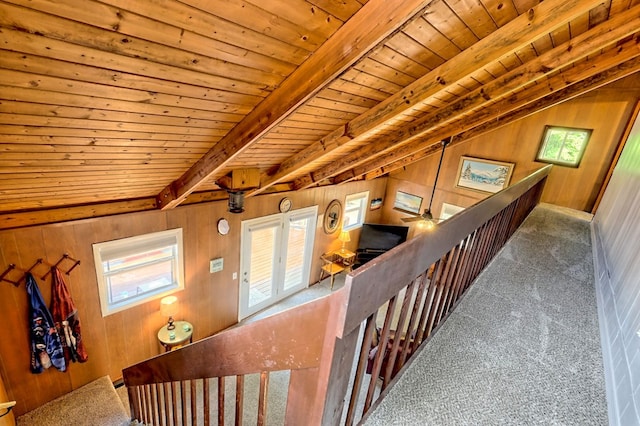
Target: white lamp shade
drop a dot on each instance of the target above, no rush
(344, 236)
(169, 306)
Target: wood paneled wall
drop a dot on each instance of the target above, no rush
(209, 301)
(605, 110)
(7, 420)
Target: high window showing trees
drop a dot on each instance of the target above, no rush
(563, 145)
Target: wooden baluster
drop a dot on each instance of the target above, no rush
(152, 403)
(382, 346)
(194, 401)
(447, 280)
(477, 265)
(411, 329)
(166, 388)
(133, 402)
(143, 405)
(391, 358)
(363, 359)
(436, 281)
(174, 401)
(428, 305)
(456, 266)
(147, 403)
(262, 399)
(183, 397)
(239, 399)
(221, 401)
(460, 272)
(464, 272)
(205, 397)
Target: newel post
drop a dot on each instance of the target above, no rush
(316, 395)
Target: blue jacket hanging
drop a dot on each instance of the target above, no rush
(46, 348)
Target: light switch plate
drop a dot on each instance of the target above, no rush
(216, 265)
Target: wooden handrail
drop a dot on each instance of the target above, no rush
(416, 255)
(322, 343)
(274, 343)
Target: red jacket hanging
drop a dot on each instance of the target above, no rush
(65, 317)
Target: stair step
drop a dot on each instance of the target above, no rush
(95, 403)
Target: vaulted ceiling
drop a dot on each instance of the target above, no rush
(116, 105)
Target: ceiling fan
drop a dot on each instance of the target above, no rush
(427, 217)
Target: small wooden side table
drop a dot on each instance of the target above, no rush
(179, 336)
(335, 262)
(346, 258)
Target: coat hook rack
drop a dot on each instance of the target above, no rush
(12, 266)
(64, 257)
(5, 275)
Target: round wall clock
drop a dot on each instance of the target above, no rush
(223, 226)
(332, 216)
(285, 205)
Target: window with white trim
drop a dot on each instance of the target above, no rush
(563, 146)
(355, 209)
(134, 270)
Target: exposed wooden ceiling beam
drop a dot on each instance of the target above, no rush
(611, 66)
(375, 21)
(593, 40)
(549, 101)
(527, 27)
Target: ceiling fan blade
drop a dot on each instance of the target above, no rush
(411, 219)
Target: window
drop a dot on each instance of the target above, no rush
(355, 207)
(135, 270)
(563, 145)
(275, 258)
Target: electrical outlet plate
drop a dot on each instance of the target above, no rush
(216, 265)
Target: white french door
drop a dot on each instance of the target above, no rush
(275, 258)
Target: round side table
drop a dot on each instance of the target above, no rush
(173, 339)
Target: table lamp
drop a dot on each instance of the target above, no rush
(168, 308)
(345, 238)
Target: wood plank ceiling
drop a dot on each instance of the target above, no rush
(115, 105)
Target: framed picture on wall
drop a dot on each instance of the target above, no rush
(375, 204)
(483, 175)
(449, 210)
(407, 202)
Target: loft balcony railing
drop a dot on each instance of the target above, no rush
(340, 352)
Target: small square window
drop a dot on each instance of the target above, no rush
(563, 145)
(135, 270)
(355, 207)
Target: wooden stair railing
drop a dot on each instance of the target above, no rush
(394, 303)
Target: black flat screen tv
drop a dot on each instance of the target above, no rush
(379, 237)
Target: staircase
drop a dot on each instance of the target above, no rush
(325, 346)
(96, 403)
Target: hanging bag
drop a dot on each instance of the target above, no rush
(46, 347)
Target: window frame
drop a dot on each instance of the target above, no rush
(545, 138)
(126, 247)
(362, 210)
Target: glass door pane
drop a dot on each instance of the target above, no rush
(259, 264)
(296, 253)
(262, 268)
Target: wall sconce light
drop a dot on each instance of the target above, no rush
(236, 201)
(169, 308)
(345, 238)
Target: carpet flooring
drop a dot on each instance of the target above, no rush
(521, 348)
(94, 404)
(523, 345)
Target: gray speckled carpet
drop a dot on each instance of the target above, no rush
(523, 345)
(94, 404)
